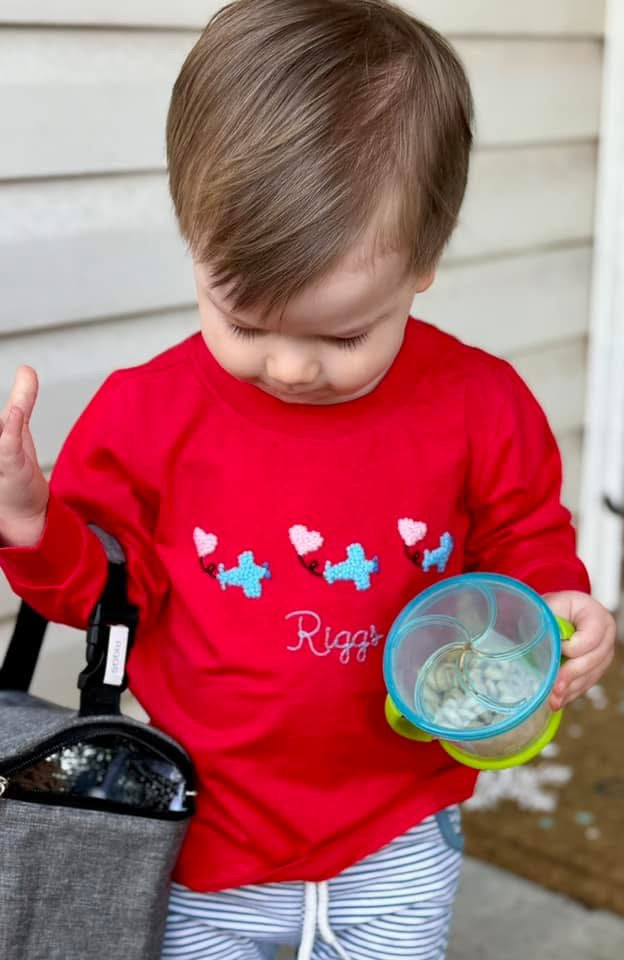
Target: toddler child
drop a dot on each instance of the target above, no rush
(284, 481)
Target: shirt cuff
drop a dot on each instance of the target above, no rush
(55, 566)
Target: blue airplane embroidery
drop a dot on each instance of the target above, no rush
(248, 575)
(356, 568)
(439, 557)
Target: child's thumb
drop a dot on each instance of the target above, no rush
(24, 392)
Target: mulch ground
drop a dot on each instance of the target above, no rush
(559, 821)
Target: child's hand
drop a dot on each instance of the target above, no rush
(23, 487)
(589, 651)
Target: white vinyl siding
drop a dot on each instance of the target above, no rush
(94, 275)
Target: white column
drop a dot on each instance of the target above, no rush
(602, 532)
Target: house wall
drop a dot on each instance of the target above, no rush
(94, 276)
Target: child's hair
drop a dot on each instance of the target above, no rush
(295, 125)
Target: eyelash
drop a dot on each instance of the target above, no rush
(245, 333)
(350, 343)
(347, 343)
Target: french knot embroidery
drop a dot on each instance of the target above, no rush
(413, 532)
(356, 568)
(247, 575)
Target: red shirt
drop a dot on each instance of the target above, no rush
(270, 546)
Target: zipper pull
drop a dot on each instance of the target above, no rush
(3, 785)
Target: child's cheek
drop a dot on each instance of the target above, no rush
(242, 360)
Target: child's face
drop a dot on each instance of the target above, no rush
(335, 340)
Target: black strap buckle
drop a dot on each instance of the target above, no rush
(110, 636)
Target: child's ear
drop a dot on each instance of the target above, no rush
(424, 281)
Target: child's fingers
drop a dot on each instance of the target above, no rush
(589, 651)
(575, 673)
(577, 676)
(23, 393)
(11, 442)
(13, 425)
(581, 686)
(28, 443)
(583, 642)
(597, 633)
(580, 666)
(586, 614)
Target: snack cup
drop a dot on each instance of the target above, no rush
(471, 662)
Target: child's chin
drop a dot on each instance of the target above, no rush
(316, 398)
(310, 399)
(321, 400)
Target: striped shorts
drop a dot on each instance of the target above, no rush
(396, 903)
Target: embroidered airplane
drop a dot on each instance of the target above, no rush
(439, 557)
(355, 568)
(248, 575)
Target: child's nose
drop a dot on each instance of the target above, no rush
(292, 368)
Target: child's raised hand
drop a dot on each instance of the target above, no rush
(23, 487)
(589, 651)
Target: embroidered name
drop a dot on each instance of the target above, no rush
(322, 640)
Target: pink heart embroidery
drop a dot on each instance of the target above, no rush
(205, 543)
(304, 540)
(412, 531)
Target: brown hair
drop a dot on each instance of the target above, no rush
(291, 125)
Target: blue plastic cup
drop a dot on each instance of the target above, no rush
(471, 662)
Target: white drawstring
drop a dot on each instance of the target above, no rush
(316, 911)
(309, 921)
(325, 930)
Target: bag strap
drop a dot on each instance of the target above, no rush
(110, 635)
(23, 651)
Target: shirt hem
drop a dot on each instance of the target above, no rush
(322, 863)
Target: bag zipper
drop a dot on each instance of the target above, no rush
(96, 804)
(70, 737)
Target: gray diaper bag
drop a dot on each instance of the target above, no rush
(94, 805)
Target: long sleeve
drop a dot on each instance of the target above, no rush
(518, 525)
(97, 479)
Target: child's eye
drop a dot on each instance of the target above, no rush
(245, 333)
(350, 343)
